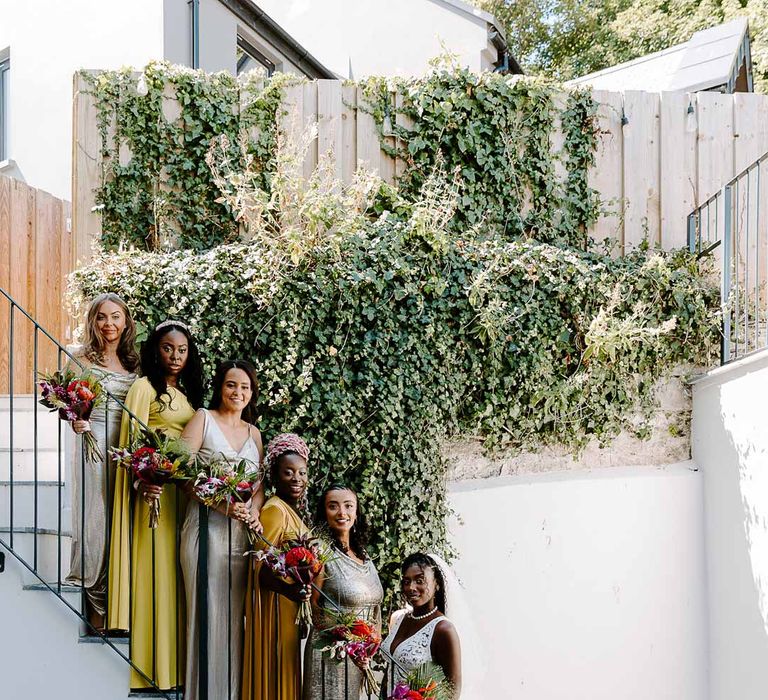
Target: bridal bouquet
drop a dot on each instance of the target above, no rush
(300, 559)
(221, 481)
(154, 459)
(426, 682)
(354, 638)
(74, 397)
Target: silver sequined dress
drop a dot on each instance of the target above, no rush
(356, 589)
(93, 485)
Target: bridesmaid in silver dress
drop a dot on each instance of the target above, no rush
(224, 430)
(350, 580)
(109, 352)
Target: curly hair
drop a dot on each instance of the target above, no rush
(424, 561)
(93, 342)
(217, 384)
(190, 378)
(358, 535)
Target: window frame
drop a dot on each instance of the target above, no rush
(254, 54)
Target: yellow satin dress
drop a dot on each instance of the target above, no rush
(271, 665)
(142, 561)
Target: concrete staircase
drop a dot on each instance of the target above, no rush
(43, 646)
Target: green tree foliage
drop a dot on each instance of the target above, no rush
(567, 38)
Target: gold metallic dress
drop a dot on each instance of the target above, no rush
(227, 577)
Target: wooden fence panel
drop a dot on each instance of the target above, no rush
(678, 166)
(86, 170)
(35, 258)
(607, 174)
(641, 168)
(330, 132)
(348, 132)
(750, 129)
(309, 118)
(649, 173)
(369, 153)
(715, 153)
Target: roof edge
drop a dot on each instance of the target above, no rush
(258, 20)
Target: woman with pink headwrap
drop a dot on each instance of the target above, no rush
(271, 668)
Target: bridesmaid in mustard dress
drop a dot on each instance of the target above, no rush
(142, 563)
(271, 667)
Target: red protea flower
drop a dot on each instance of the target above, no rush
(299, 555)
(361, 629)
(81, 389)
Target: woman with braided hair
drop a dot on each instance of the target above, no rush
(271, 667)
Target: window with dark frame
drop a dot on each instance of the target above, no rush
(249, 57)
(5, 75)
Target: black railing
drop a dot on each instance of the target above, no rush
(48, 354)
(733, 227)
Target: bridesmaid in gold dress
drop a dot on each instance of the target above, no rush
(271, 668)
(144, 596)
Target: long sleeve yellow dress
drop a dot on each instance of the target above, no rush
(142, 561)
(271, 664)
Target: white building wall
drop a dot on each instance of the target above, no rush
(587, 585)
(369, 37)
(730, 444)
(49, 40)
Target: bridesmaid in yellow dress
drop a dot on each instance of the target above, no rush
(142, 562)
(271, 667)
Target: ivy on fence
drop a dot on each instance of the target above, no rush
(385, 320)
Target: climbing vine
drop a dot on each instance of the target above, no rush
(497, 134)
(156, 191)
(381, 335)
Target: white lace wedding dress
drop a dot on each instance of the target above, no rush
(413, 651)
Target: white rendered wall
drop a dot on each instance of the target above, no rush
(370, 37)
(40, 656)
(49, 40)
(730, 444)
(587, 585)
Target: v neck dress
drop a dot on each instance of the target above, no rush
(226, 578)
(412, 651)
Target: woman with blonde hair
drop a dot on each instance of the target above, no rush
(108, 352)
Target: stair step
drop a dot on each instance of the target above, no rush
(65, 587)
(50, 497)
(53, 551)
(23, 459)
(96, 639)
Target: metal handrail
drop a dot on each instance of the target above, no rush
(61, 350)
(731, 225)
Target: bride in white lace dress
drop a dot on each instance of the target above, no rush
(422, 632)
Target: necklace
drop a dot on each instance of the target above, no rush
(424, 616)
